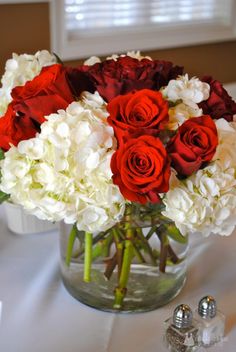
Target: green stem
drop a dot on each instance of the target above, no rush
(164, 251)
(119, 249)
(107, 242)
(120, 291)
(146, 246)
(96, 239)
(173, 256)
(100, 236)
(137, 251)
(138, 254)
(151, 232)
(88, 256)
(97, 250)
(70, 244)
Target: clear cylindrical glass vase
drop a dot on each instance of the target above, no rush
(138, 265)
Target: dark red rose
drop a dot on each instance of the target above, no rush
(79, 81)
(45, 94)
(14, 129)
(194, 145)
(111, 78)
(141, 169)
(137, 111)
(219, 104)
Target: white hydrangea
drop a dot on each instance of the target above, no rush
(134, 54)
(226, 149)
(206, 201)
(20, 69)
(190, 91)
(92, 60)
(180, 113)
(64, 173)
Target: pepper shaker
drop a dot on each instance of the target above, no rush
(182, 333)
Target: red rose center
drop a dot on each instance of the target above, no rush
(143, 113)
(196, 139)
(140, 163)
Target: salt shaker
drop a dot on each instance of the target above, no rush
(182, 333)
(212, 321)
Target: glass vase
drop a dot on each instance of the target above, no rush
(137, 265)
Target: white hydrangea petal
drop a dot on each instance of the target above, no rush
(92, 60)
(34, 148)
(92, 160)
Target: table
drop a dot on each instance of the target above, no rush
(39, 315)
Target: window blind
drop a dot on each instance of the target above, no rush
(101, 16)
(81, 28)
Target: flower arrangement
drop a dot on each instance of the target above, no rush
(98, 144)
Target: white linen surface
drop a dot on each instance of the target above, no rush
(39, 315)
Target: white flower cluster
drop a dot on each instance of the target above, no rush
(189, 92)
(64, 173)
(226, 150)
(134, 54)
(180, 113)
(206, 201)
(20, 69)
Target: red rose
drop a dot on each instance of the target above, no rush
(14, 129)
(219, 104)
(111, 78)
(45, 94)
(141, 169)
(79, 81)
(144, 109)
(194, 144)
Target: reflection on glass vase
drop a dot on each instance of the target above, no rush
(138, 265)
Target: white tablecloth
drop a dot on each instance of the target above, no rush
(39, 315)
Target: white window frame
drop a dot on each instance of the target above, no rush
(127, 40)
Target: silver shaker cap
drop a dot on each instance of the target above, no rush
(183, 316)
(207, 307)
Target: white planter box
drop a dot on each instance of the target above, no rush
(18, 221)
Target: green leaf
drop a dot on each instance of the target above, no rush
(3, 197)
(170, 263)
(175, 234)
(174, 103)
(1, 154)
